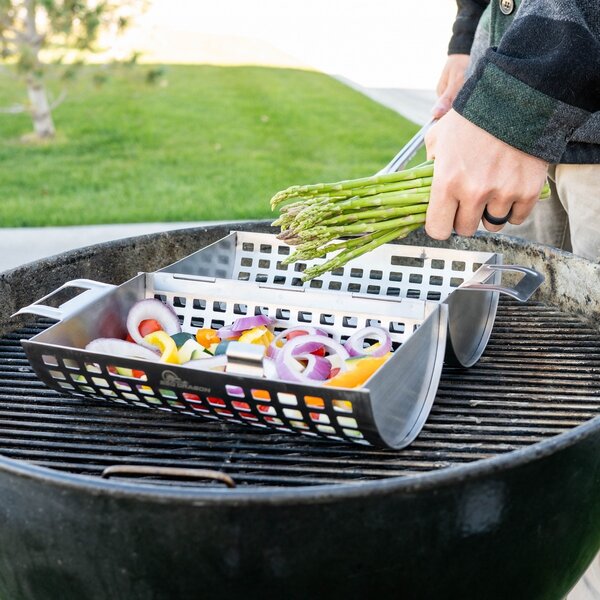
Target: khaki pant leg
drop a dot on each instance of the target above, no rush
(546, 224)
(570, 218)
(578, 188)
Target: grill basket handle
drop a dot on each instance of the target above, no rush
(93, 290)
(522, 291)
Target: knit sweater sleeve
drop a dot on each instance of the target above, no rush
(465, 24)
(540, 88)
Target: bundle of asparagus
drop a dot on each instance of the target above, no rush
(352, 217)
(373, 210)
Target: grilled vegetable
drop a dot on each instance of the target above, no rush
(117, 347)
(181, 338)
(292, 332)
(358, 370)
(355, 344)
(245, 323)
(191, 350)
(207, 337)
(212, 363)
(221, 348)
(257, 335)
(291, 368)
(305, 367)
(165, 343)
(227, 333)
(148, 326)
(301, 353)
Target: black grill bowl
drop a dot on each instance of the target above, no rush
(496, 499)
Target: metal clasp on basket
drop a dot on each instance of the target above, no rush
(245, 359)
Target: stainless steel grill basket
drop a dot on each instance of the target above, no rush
(435, 303)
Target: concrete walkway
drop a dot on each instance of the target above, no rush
(415, 105)
(21, 245)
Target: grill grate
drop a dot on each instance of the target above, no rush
(538, 377)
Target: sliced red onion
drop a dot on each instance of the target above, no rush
(207, 364)
(244, 323)
(317, 367)
(227, 333)
(151, 308)
(117, 347)
(337, 362)
(355, 343)
(282, 336)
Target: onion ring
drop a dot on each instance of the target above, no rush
(151, 308)
(355, 343)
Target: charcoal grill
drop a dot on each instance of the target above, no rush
(496, 498)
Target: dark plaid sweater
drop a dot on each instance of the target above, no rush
(538, 85)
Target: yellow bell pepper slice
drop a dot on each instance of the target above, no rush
(359, 370)
(257, 335)
(166, 344)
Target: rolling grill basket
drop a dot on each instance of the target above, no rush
(435, 303)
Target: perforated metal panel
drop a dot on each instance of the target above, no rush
(239, 401)
(396, 271)
(215, 304)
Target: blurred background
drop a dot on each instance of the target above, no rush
(167, 111)
(382, 43)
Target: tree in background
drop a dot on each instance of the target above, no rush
(36, 33)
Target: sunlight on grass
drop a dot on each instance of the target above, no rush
(209, 143)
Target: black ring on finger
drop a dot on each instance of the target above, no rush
(496, 220)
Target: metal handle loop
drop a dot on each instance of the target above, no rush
(522, 291)
(93, 290)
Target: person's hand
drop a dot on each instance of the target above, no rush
(451, 80)
(474, 171)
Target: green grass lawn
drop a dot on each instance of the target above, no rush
(214, 143)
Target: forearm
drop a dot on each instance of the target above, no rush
(539, 89)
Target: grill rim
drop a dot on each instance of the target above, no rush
(539, 254)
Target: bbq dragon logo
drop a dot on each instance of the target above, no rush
(169, 378)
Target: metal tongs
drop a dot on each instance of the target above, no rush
(412, 147)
